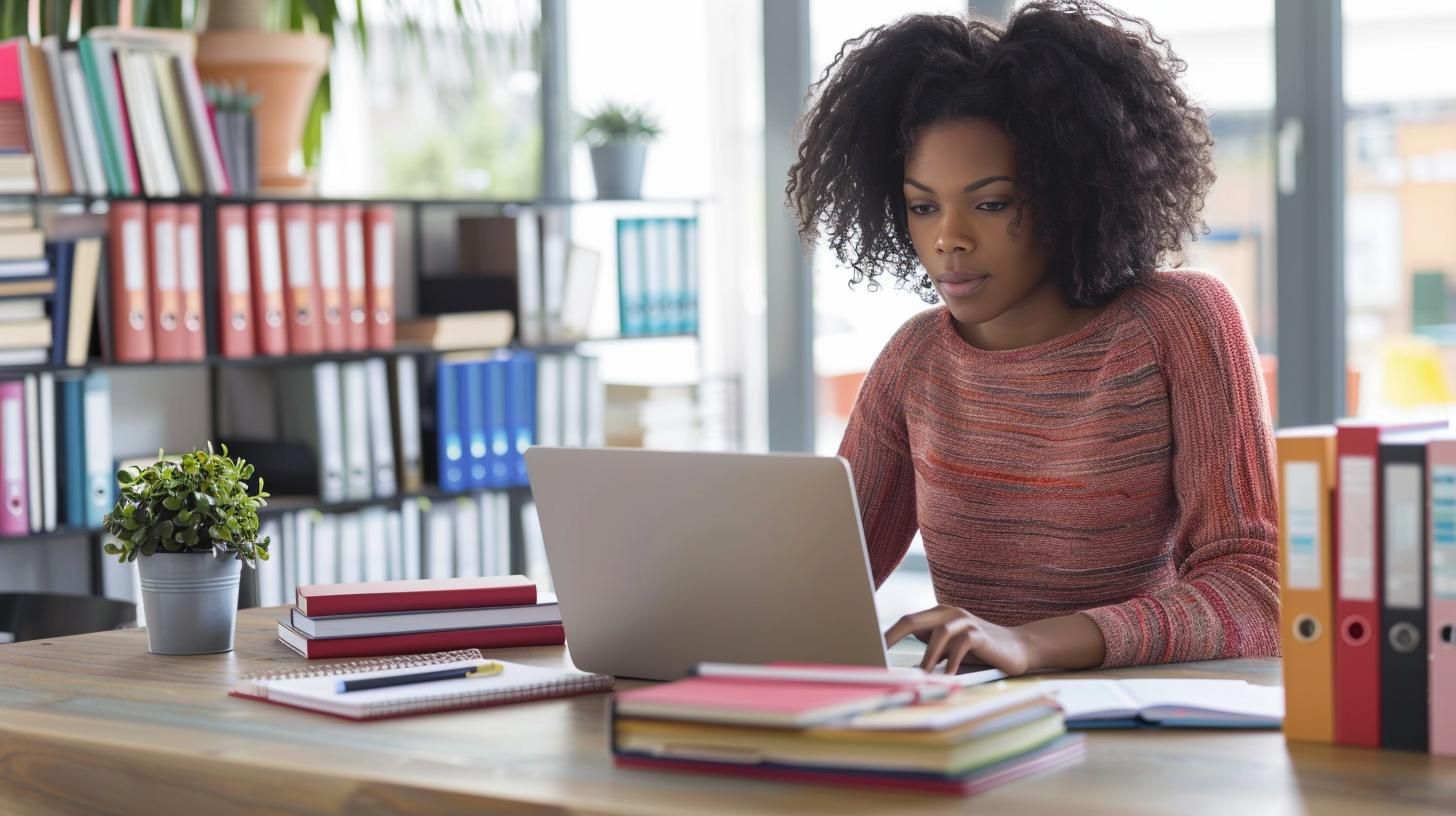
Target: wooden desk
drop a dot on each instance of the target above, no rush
(96, 724)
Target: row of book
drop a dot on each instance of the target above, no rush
(1368, 584)
(657, 271)
(412, 616)
(489, 409)
(55, 453)
(26, 332)
(339, 432)
(465, 537)
(119, 112)
(290, 278)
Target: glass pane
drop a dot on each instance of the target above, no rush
(1400, 205)
(475, 133)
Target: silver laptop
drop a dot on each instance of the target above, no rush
(662, 560)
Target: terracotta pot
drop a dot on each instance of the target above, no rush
(284, 68)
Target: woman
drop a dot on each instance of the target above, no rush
(1080, 438)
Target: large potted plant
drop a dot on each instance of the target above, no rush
(190, 524)
(618, 136)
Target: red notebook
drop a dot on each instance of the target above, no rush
(499, 637)
(318, 600)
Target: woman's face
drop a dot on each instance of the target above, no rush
(960, 201)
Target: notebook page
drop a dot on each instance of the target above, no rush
(1234, 701)
(515, 681)
(1091, 699)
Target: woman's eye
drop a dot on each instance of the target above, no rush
(922, 209)
(992, 206)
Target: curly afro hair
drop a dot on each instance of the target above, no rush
(1112, 158)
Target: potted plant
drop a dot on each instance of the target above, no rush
(618, 136)
(190, 524)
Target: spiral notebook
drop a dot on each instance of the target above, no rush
(315, 688)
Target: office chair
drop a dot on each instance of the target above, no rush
(34, 616)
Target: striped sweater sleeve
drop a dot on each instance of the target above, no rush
(877, 446)
(1225, 542)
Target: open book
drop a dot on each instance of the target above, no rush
(317, 688)
(1137, 703)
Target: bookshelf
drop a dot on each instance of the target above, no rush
(144, 159)
(213, 363)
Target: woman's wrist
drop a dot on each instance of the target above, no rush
(1068, 642)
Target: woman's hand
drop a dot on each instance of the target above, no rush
(953, 634)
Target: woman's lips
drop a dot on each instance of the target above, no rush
(960, 285)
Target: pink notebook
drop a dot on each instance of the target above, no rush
(750, 701)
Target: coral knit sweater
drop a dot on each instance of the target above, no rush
(1125, 470)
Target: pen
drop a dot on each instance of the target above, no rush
(362, 683)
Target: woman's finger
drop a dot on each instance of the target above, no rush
(957, 654)
(940, 641)
(914, 622)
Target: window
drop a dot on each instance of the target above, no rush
(1400, 206)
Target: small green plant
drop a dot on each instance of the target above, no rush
(199, 503)
(614, 122)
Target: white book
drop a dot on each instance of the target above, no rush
(31, 389)
(409, 522)
(303, 547)
(326, 549)
(158, 141)
(373, 523)
(50, 47)
(212, 166)
(351, 548)
(501, 518)
(381, 430)
(548, 400)
(289, 561)
(49, 480)
(554, 250)
(573, 401)
(467, 538)
(87, 140)
(270, 572)
(140, 124)
(100, 466)
(595, 403)
(329, 402)
(528, 268)
(440, 542)
(358, 477)
(583, 269)
(485, 514)
(542, 613)
(409, 465)
(394, 545)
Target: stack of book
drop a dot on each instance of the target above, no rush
(898, 728)
(409, 617)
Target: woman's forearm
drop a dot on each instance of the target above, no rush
(1068, 642)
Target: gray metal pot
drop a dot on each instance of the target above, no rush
(617, 167)
(191, 601)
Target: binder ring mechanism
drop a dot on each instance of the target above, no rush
(1306, 629)
(1356, 630)
(1405, 638)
